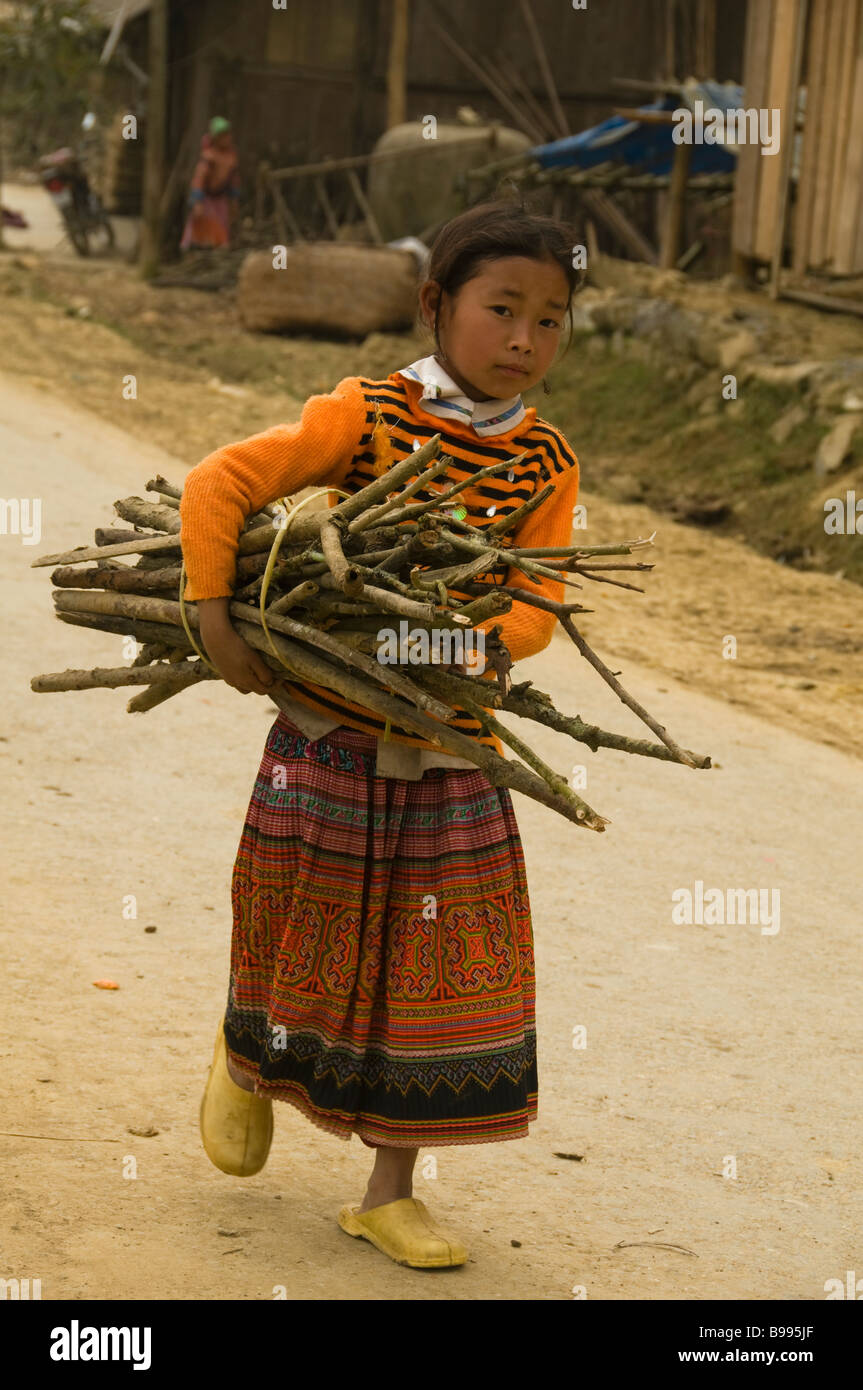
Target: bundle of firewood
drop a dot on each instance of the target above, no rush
(315, 591)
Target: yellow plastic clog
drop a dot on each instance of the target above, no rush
(236, 1125)
(405, 1231)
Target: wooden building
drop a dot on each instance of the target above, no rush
(305, 80)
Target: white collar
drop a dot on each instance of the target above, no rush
(441, 396)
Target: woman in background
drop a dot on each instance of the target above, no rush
(214, 190)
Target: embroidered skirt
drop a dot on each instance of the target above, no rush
(382, 966)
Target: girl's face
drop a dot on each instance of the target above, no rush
(500, 335)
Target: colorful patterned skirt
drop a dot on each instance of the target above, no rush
(382, 968)
(208, 223)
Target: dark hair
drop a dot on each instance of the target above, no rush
(494, 229)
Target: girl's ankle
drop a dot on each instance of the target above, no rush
(380, 1196)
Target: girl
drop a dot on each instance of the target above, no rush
(382, 970)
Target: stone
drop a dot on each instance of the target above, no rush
(650, 317)
(836, 444)
(582, 318)
(787, 423)
(733, 350)
(616, 313)
(785, 373)
(667, 280)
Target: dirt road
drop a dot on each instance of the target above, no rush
(710, 1049)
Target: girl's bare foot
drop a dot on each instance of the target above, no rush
(391, 1178)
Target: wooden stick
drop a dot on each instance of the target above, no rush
(160, 484)
(116, 535)
(123, 580)
(673, 234)
(153, 514)
(420, 509)
(537, 705)
(788, 107)
(329, 215)
(544, 66)
(583, 812)
(533, 600)
(358, 161)
(151, 651)
(396, 603)
(126, 627)
(375, 515)
(98, 552)
(152, 695)
(364, 206)
(387, 675)
(397, 65)
(154, 610)
(832, 302)
(379, 490)
(529, 568)
(610, 679)
(575, 551)
(284, 215)
(515, 518)
(512, 74)
(113, 677)
(346, 576)
(464, 56)
(609, 213)
(499, 771)
(307, 589)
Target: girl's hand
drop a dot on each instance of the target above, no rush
(237, 663)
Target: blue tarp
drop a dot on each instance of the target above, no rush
(647, 148)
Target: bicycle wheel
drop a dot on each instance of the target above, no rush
(77, 232)
(100, 234)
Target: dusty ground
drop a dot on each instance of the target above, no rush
(704, 1043)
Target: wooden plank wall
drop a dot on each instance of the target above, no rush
(771, 26)
(849, 226)
(756, 65)
(827, 221)
(310, 80)
(827, 230)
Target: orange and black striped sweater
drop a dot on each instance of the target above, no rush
(339, 440)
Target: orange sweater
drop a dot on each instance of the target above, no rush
(333, 444)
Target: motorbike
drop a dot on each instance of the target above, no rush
(87, 224)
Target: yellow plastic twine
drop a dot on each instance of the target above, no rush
(271, 564)
(185, 620)
(274, 550)
(271, 561)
